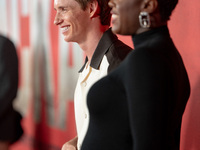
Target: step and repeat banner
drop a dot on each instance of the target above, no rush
(48, 68)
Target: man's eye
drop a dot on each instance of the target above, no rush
(64, 9)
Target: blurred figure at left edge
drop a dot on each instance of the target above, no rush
(10, 126)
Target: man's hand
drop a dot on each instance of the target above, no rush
(70, 145)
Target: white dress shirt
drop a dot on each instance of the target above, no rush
(86, 79)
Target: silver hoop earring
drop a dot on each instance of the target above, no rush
(144, 19)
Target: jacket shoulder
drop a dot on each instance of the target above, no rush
(117, 53)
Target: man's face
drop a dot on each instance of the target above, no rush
(125, 14)
(72, 20)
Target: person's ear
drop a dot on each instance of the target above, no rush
(150, 6)
(94, 9)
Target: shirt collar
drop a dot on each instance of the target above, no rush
(104, 44)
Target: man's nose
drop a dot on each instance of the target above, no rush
(57, 20)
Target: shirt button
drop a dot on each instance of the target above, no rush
(84, 84)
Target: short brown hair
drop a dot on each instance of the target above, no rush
(105, 15)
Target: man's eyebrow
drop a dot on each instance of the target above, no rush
(61, 7)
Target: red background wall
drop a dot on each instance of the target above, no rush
(186, 33)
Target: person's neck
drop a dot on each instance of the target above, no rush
(92, 39)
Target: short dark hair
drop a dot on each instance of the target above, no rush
(105, 15)
(166, 7)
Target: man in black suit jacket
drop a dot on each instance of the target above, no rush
(10, 127)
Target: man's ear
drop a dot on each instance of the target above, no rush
(150, 6)
(94, 9)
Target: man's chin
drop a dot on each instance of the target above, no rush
(67, 39)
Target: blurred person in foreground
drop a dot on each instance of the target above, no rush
(87, 22)
(139, 106)
(10, 126)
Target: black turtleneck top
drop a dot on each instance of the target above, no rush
(139, 106)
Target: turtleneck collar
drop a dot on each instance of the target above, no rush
(145, 36)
